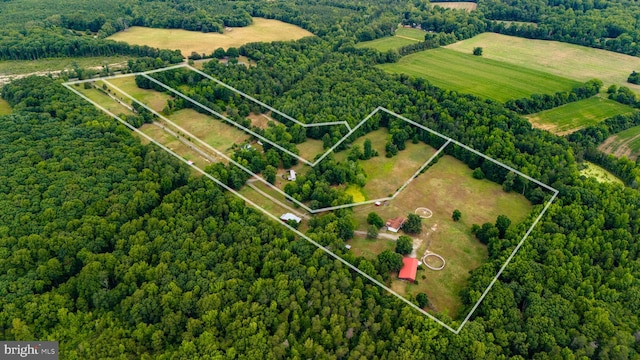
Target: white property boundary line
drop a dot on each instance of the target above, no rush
(332, 254)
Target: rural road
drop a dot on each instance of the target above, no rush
(380, 235)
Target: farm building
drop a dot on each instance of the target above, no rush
(292, 175)
(395, 224)
(289, 216)
(408, 271)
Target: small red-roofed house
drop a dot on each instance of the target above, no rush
(408, 271)
(395, 224)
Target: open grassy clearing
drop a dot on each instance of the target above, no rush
(625, 143)
(386, 43)
(262, 30)
(477, 75)
(370, 249)
(174, 145)
(154, 99)
(461, 5)
(386, 175)
(446, 186)
(214, 132)
(562, 59)
(600, 174)
(573, 116)
(415, 34)
(310, 148)
(13, 67)
(104, 100)
(5, 108)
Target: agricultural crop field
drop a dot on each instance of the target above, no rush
(262, 30)
(460, 5)
(479, 76)
(625, 143)
(444, 187)
(573, 116)
(562, 59)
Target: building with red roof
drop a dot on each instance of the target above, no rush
(408, 271)
(395, 224)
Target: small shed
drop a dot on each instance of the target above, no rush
(395, 224)
(408, 271)
(292, 175)
(289, 216)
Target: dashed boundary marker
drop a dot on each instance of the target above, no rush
(449, 140)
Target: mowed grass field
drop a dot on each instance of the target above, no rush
(310, 148)
(573, 116)
(478, 75)
(600, 174)
(174, 145)
(460, 5)
(625, 143)
(262, 30)
(386, 175)
(154, 99)
(214, 132)
(566, 60)
(415, 34)
(5, 108)
(444, 187)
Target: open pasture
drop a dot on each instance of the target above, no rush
(571, 61)
(262, 30)
(386, 43)
(214, 132)
(478, 75)
(154, 99)
(448, 185)
(625, 143)
(573, 116)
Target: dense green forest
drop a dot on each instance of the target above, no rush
(116, 250)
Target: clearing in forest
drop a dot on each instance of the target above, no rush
(410, 33)
(571, 61)
(107, 100)
(403, 37)
(5, 108)
(446, 186)
(458, 5)
(478, 75)
(261, 30)
(573, 116)
(14, 67)
(625, 143)
(599, 173)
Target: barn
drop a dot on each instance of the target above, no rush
(408, 271)
(395, 224)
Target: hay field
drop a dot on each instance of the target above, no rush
(386, 43)
(262, 30)
(154, 99)
(567, 60)
(477, 75)
(573, 116)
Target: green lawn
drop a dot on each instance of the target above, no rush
(386, 43)
(102, 99)
(5, 108)
(310, 148)
(477, 75)
(625, 143)
(12, 67)
(600, 174)
(562, 59)
(576, 115)
(415, 34)
(368, 248)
